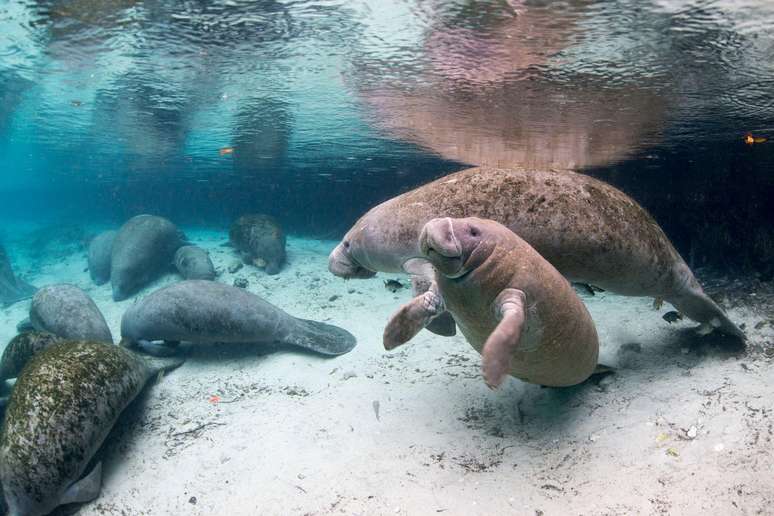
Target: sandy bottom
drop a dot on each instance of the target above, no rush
(685, 426)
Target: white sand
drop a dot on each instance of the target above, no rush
(298, 434)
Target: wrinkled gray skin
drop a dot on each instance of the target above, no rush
(99, 256)
(64, 404)
(260, 241)
(207, 311)
(12, 289)
(591, 232)
(142, 250)
(68, 312)
(193, 262)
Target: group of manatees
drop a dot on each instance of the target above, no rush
(72, 382)
(488, 247)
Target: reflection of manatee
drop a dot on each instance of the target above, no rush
(143, 248)
(68, 312)
(64, 404)
(208, 311)
(193, 262)
(260, 240)
(100, 251)
(12, 289)
(591, 232)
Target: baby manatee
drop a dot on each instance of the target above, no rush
(207, 311)
(65, 402)
(67, 311)
(193, 262)
(142, 250)
(100, 251)
(260, 240)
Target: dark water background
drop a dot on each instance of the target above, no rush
(113, 108)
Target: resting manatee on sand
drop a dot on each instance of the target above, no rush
(99, 255)
(591, 232)
(201, 311)
(193, 262)
(511, 304)
(68, 312)
(65, 402)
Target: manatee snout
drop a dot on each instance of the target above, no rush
(341, 264)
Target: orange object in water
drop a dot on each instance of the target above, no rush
(214, 399)
(749, 139)
(226, 150)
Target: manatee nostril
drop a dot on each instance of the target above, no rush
(346, 244)
(473, 231)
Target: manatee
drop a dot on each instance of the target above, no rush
(207, 311)
(100, 252)
(511, 305)
(12, 289)
(143, 249)
(64, 404)
(193, 262)
(590, 231)
(260, 240)
(21, 349)
(68, 312)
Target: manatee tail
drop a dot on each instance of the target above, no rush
(701, 308)
(322, 338)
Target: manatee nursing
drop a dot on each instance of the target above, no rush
(591, 232)
(67, 311)
(64, 404)
(143, 248)
(513, 306)
(206, 311)
(260, 240)
(99, 256)
(12, 289)
(193, 262)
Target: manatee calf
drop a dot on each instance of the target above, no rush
(68, 312)
(193, 262)
(260, 240)
(143, 248)
(591, 232)
(12, 289)
(65, 402)
(99, 256)
(512, 305)
(208, 311)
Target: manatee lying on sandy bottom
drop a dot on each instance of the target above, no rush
(142, 250)
(260, 240)
(193, 262)
(67, 311)
(590, 231)
(99, 256)
(65, 402)
(208, 311)
(512, 305)
(12, 289)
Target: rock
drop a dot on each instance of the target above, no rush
(241, 282)
(235, 266)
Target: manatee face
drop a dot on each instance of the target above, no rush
(456, 246)
(341, 263)
(127, 279)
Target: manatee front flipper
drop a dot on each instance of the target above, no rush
(499, 347)
(322, 338)
(442, 324)
(85, 489)
(412, 317)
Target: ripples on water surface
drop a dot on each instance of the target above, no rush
(332, 106)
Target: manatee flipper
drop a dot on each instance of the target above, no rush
(698, 306)
(156, 349)
(442, 324)
(603, 369)
(499, 347)
(412, 317)
(85, 489)
(320, 337)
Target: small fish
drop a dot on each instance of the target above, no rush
(214, 399)
(749, 139)
(376, 409)
(226, 150)
(393, 285)
(76, 103)
(672, 316)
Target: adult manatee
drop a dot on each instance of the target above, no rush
(260, 240)
(591, 232)
(143, 249)
(64, 404)
(208, 311)
(99, 256)
(68, 312)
